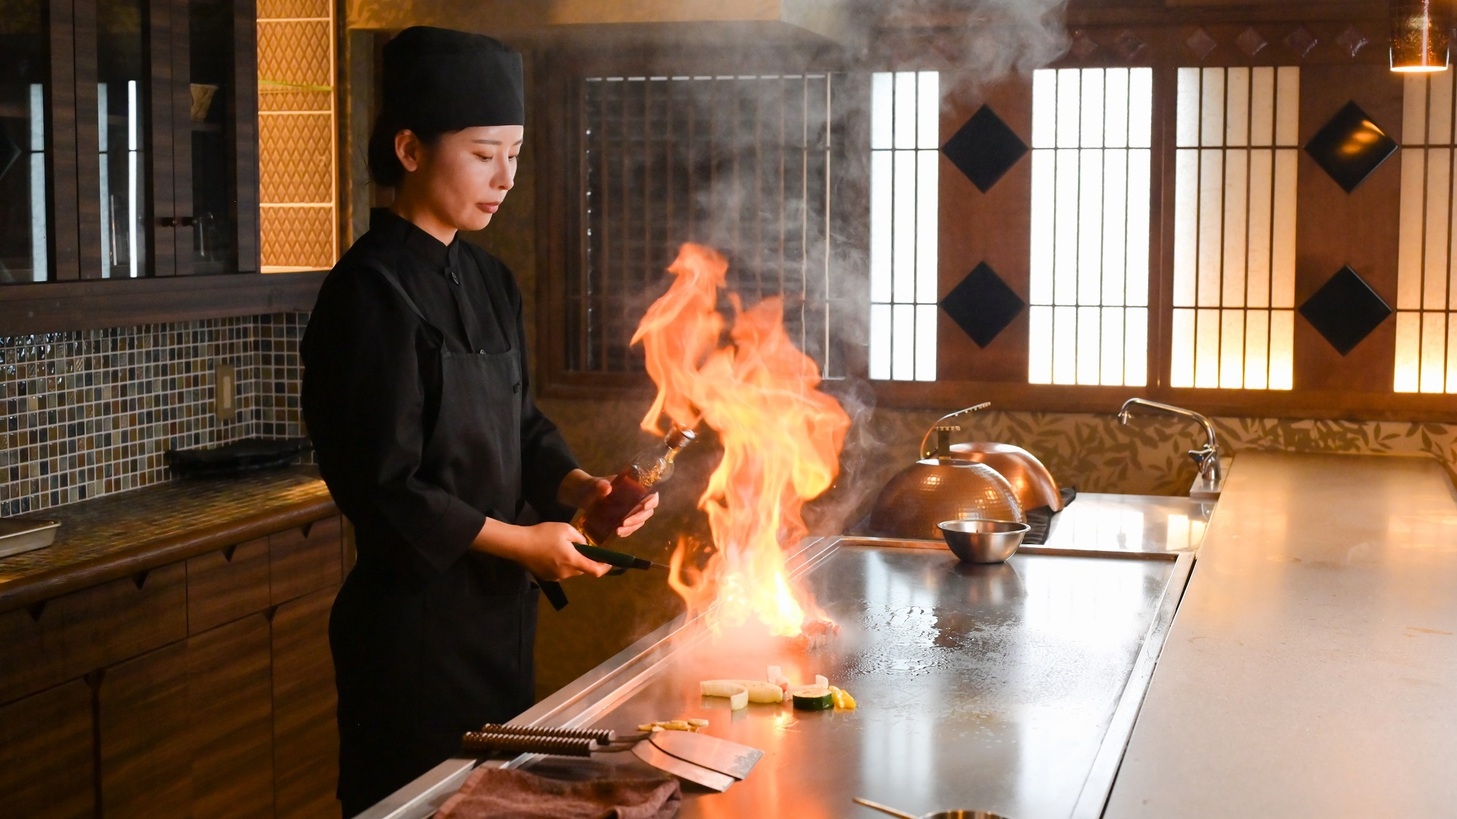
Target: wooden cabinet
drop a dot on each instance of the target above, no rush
(225, 585)
(305, 737)
(197, 688)
(129, 160)
(230, 707)
(140, 140)
(75, 634)
(50, 754)
(141, 717)
(305, 560)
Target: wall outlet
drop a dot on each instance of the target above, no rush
(225, 392)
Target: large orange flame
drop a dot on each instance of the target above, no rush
(781, 438)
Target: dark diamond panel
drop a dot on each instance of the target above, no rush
(984, 149)
(1301, 41)
(1201, 43)
(982, 305)
(1345, 310)
(1350, 146)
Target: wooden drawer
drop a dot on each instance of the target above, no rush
(305, 560)
(74, 634)
(50, 752)
(227, 585)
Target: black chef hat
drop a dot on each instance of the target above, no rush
(439, 80)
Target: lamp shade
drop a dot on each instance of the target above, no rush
(1419, 36)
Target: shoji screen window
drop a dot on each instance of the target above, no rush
(1426, 325)
(1091, 156)
(1234, 228)
(905, 109)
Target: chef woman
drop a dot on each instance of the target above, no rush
(416, 395)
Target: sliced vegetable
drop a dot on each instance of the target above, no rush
(690, 725)
(842, 698)
(735, 690)
(822, 681)
(759, 690)
(812, 698)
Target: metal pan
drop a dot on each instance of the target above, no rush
(21, 535)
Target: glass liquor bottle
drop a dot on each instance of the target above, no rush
(601, 518)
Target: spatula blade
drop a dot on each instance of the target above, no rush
(651, 754)
(715, 754)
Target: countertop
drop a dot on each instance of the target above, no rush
(117, 535)
(1311, 669)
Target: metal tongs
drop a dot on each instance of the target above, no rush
(708, 761)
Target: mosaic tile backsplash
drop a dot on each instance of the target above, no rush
(91, 412)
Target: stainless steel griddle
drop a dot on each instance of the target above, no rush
(1011, 688)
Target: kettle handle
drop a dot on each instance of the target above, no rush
(938, 427)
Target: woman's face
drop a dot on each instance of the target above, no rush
(460, 181)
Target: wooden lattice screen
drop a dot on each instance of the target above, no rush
(741, 163)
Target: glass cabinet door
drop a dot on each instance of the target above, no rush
(121, 131)
(210, 94)
(24, 184)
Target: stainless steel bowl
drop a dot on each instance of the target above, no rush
(983, 541)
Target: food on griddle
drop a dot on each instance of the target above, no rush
(815, 635)
(842, 698)
(690, 725)
(812, 698)
(737, 692)
(754, 690)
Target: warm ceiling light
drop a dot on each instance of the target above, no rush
(1419, 36)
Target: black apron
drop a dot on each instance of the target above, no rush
(418, 663)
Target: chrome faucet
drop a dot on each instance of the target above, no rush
(1211, 476)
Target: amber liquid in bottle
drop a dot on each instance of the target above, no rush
(601, 519)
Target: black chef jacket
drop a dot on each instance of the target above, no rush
(417, 400)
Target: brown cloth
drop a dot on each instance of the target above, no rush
(510, 794)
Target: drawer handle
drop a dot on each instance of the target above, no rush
(228, 552)
(140, 578)
(35, 610)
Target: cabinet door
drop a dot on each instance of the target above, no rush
(142, 721)
(27, 197)
(305, 728)
(112, 123)
(163, 114)
(230, 696)
(49, 749)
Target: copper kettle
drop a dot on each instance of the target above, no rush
(940, 488)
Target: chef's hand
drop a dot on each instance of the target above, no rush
(638, 516)
(547, 550)
(580, 489)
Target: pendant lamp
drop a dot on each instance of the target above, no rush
(1419, 35)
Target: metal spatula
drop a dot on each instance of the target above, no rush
(663, 761)
(705, 751)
